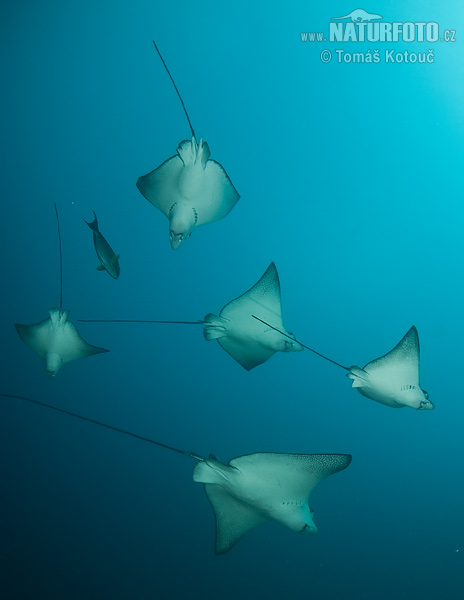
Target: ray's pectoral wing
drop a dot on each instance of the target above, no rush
(292, 476)
(75, 346)
(160, 187)
(219, 195)
(263, 297)
(233, 517)
(36, 336)
(246, 339)
(400, 366)
(249, 355)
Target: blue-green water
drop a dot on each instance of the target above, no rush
(350, 178)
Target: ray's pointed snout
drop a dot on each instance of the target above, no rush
(176, 239)
(426, 405)
(293, 346)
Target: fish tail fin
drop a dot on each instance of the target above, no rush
(93, 224)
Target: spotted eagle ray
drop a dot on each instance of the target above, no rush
(392, 379)
(109, 261)
(359, 16)
(189, 188)
(249, 342)
(56, 339)
(250, 489)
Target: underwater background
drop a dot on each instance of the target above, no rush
(351, 181)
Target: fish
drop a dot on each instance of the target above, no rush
(247, 341)
(393, 379)
(56, 339)
(189, 188)
(109, 261)
(250, 489)
(244, 338)
(264, 486)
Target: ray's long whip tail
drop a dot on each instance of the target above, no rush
(61, 259)
(298, 342)
(139, 321)
(175, 87)
(125, 432)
